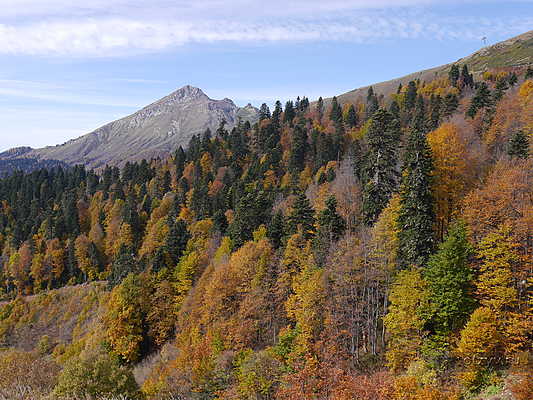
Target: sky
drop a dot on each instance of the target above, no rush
(69, 66)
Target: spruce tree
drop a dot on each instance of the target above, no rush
(410, 95)
(449, 279)
(467, 77)
(513, 79)
(331, 224)
(298, 149)
(518, 145)
(335, 113)
(351, 117)
(302, 216)
(276, 230)
(454, 74)
(123, 264)
(320, 109)
(481, 99)
(417, 215)
(177, 239)
(289, 112)
(379, 173)
(264, 112)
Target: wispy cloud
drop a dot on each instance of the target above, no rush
(51, 92)
(114, 36)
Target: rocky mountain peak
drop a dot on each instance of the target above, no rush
(188, 93)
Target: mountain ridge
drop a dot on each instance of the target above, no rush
(155, 130)
(160, 127)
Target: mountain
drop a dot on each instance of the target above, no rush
(156, 130)
(161, 127)
(514, 52)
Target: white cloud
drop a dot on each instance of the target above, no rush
(114, 36)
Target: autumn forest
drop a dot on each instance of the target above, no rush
(380, 249)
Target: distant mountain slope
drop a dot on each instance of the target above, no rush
(13, 160)
(517, 51)
(156, 130)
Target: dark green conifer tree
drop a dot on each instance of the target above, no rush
(298, 148)
(518, 145)
(289, 114)
(264, 112)
(410, 95)
(379, 172)
(320, 109)
(481, 99)
(453, 75)
(351, 117)
(177, 239)
(276, 230)
(417, 216)
(449, 277)
(513, 79)
(123, 264)
(335, 113)
(302, 216)
(330, 224)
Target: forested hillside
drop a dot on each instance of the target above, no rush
(381, 249)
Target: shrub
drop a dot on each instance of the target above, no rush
(95, 376)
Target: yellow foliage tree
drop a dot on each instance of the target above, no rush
(451, 172)
(409, 304)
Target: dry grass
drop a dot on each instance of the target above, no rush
(63, 314)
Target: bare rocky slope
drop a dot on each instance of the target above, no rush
(156, 130)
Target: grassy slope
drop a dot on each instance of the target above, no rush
(514, 52)
(63, 315)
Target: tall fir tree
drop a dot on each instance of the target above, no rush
(302, 216)
(417, 216)
(351, 117)
(335, 113)
(330, 224)
(379, 172)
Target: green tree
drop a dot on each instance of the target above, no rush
(411, 95)
(449, 279)
(417, 215)
(177, 239)
(379, 172)
(453, 75)
(289, 112)
(518, 145)
(95, 376)
(481, 99)
(298, 148)
(302, 215)
(335, 113)
(351, 117)
(330, 223)
(276, 229)
(123, 265)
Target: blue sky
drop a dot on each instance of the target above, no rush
(69, 66)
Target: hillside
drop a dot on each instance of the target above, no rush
(156, 130)
(374, 250)
(514, 52)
